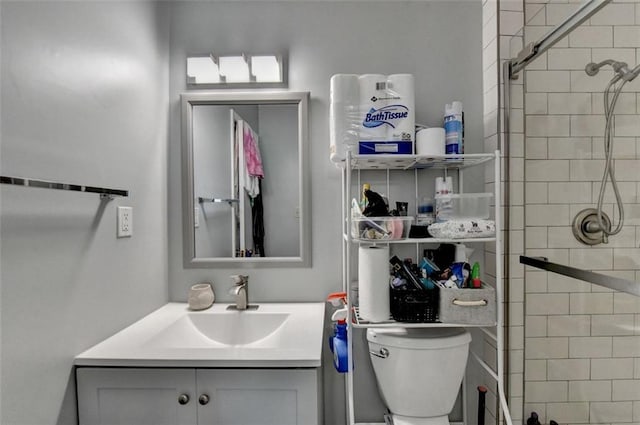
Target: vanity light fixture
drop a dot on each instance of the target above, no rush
(266, 68)
(203, 70)
(236, 70)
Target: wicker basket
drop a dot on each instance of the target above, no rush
(413, 305)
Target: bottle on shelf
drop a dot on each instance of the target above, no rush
(364, 201)
(454, 128)
(444, 187)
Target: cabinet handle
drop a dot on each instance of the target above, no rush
(203, 399)
(183, 399)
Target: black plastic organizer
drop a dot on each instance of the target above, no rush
(414, 305)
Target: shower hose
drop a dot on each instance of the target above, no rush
(609, 173)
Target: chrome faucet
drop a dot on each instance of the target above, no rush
(241, 291)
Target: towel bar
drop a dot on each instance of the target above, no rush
(104, 193)
(611, 282)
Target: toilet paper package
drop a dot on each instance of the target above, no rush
(344, 113)
(371, 114)
(400, 88)
(372, 98)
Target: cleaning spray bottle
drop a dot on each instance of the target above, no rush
(454, 128)
(338, 341)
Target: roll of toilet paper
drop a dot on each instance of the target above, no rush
(401, 91)
(373, 287)
(373, 98)
(430, 141)
(344, 115)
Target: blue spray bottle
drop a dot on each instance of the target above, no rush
(338, 341)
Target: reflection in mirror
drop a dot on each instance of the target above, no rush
(244, 158)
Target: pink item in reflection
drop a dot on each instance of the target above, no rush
(252, 156)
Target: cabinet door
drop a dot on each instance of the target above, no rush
(258, 396)
(136, 396)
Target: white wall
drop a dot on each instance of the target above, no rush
(439, 42)
(84, 100)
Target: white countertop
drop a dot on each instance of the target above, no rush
(274, 335)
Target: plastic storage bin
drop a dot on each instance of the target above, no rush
(466, 206)
(380, 228)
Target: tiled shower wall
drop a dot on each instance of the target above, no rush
(582, 341)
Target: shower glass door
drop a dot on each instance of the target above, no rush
(581, 341)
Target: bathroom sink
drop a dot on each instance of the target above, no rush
(274, 335)
(227, 328)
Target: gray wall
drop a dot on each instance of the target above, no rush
(84, 100)
(439, 42)
(212, 178)
(279, 150)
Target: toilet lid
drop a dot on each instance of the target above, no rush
(419, 338)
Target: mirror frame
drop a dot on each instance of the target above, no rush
(191, 99)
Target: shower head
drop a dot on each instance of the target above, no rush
(620, 68)
(593, 68)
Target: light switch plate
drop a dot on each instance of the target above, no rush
(196, 217)
(125, 222)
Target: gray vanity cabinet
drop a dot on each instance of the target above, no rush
(136, 396)
(258, 396)
(146, 396)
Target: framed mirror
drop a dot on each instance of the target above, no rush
(245, 179)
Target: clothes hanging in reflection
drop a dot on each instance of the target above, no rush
(253, 159)
(253, 170)
(257, 218)
(253, 173)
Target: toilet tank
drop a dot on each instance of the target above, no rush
(419, 370)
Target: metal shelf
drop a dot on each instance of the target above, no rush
(104, 193)
(414, 163)
(359, 322)
(419, 240)
(410, 162)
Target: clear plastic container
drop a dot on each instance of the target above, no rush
(380, 228)
(466, 206)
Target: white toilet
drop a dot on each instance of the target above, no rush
(419, 371)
